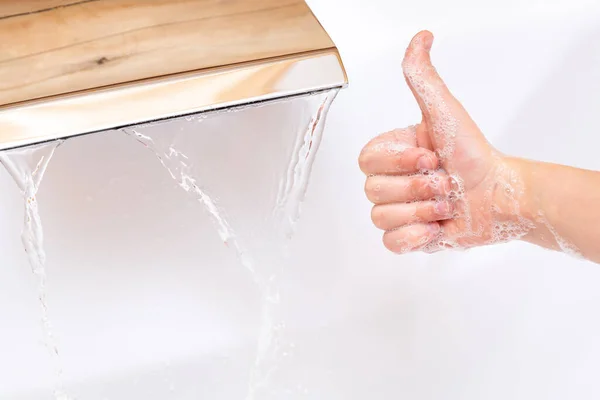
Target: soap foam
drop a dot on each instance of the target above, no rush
(444, 124)
(477, 219)
(398, 142)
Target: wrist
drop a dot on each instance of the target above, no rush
(524, 200)
(515, 199)
(527, 205)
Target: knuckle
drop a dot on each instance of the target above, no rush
(364, 160)
(396, 242)
(372, 189)
(389, 242)
(378, 216)
(368, 186)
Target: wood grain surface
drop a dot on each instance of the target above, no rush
(53, 47)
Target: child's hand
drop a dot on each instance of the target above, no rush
(439, 184)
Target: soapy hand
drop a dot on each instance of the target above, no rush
(440, 184)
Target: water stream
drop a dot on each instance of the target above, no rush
(262, 251)
(260, 243)
(27, 167)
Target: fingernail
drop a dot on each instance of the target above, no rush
(434, 228)
(445, 187)
(425, 162)
(442, 208)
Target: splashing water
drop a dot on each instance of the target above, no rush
(178, 166)
(265, 254)
(27, 167)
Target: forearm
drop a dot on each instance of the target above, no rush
(563, 203)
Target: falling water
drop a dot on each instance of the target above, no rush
(178, 166)
(286, 213)
(27, 167)
(292, 188)
(263, 257)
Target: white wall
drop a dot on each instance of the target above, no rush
(507, 322)
(502, 322)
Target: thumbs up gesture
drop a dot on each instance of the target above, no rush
(439, 184)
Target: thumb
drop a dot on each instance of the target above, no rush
(441, 111)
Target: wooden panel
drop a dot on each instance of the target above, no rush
(10, 8)
(61, 117)
(59, 47)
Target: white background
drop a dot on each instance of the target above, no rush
(138, 314)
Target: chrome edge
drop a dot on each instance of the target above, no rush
(97, 110)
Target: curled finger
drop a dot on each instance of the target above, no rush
(386, 189)
(411, 238)
(393, 216)
(396, 152)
